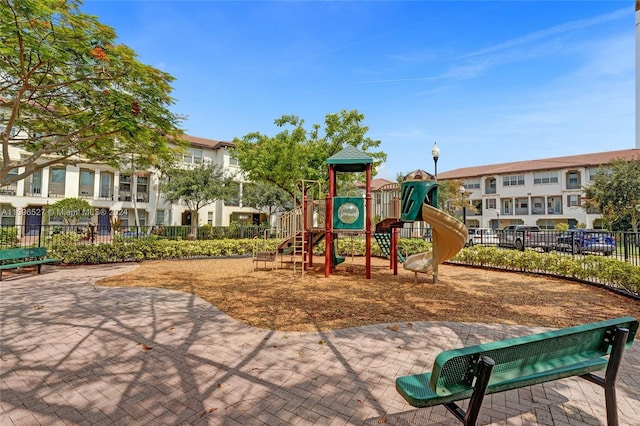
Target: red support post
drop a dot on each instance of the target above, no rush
(328, 223)
(368, 219)
(305, 241)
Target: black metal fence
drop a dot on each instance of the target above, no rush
(620, 245)
(52, 235)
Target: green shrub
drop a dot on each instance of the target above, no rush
(599, 269)
(613, 272)
(9, 237)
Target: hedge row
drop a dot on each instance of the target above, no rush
(598, 269)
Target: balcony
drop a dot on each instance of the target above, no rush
(32, 191)
(9, 189)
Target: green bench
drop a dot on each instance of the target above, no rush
(18, 257)
(472, 372)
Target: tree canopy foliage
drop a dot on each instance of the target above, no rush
(266, 198)
(198, 187)
(70, 210)
(297, 153)
(69, 92)
(615, 190)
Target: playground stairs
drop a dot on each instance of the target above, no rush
(294, 246)
(384, 241)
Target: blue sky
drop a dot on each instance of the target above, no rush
(489, 81)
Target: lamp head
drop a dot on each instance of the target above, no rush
(435, 151)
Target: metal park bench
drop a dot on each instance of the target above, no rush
(265, 256)
(19, 257)
(472, 372)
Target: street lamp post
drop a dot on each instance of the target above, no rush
(435, 153)
(464, 206)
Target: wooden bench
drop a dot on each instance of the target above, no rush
(264, 256)
(472, 372)
(18, 257)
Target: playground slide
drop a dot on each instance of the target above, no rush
(448, 237)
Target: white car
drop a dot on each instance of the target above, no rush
(482, 236)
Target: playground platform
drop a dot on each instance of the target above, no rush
(74, 353)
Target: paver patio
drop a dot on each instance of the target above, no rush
(75, 353)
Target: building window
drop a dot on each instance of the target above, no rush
(124, 219)
(490, 186)
(33, 186)
(573, 180)
(233, 161)
(56, 181)
(506, 206)
(142, 217)
(142, 188)
(8, 215)
(513, 180)
(490, 203)
(210, 218)
(573, 200)
(124, 190)
(86, 183)
(159, 217)
(105, 185)
(470, 185)
(593, 172)
(12, 187)
(193, 156)
(537, 204)
(543, 178)
(522, 206)
(546, 224)
(554, 205)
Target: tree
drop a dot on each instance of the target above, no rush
(615, 190)
(297, 154)
(267, 198)
(198, 187)
(451, 200)
(69, 93)
(70, 210)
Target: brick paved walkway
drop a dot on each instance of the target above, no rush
(74, 353)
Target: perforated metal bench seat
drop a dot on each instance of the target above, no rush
(20, 257)
(522, 361)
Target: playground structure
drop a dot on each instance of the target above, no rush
(314, 220)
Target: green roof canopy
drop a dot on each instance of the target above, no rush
(350, 159)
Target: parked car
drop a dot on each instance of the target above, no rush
(482, 236)
(586, 240)
(530, 236)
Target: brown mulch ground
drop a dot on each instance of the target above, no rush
(282, 300)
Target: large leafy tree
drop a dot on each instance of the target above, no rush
(615, 190)
(70, 210)
(451, 200)
(70, 93)
(296, 153)
(198, 187)
(266, 198)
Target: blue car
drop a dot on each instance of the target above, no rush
(586, 241)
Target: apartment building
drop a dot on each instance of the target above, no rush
(120, 193)
(541, 192)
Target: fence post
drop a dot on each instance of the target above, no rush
(625, 242)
